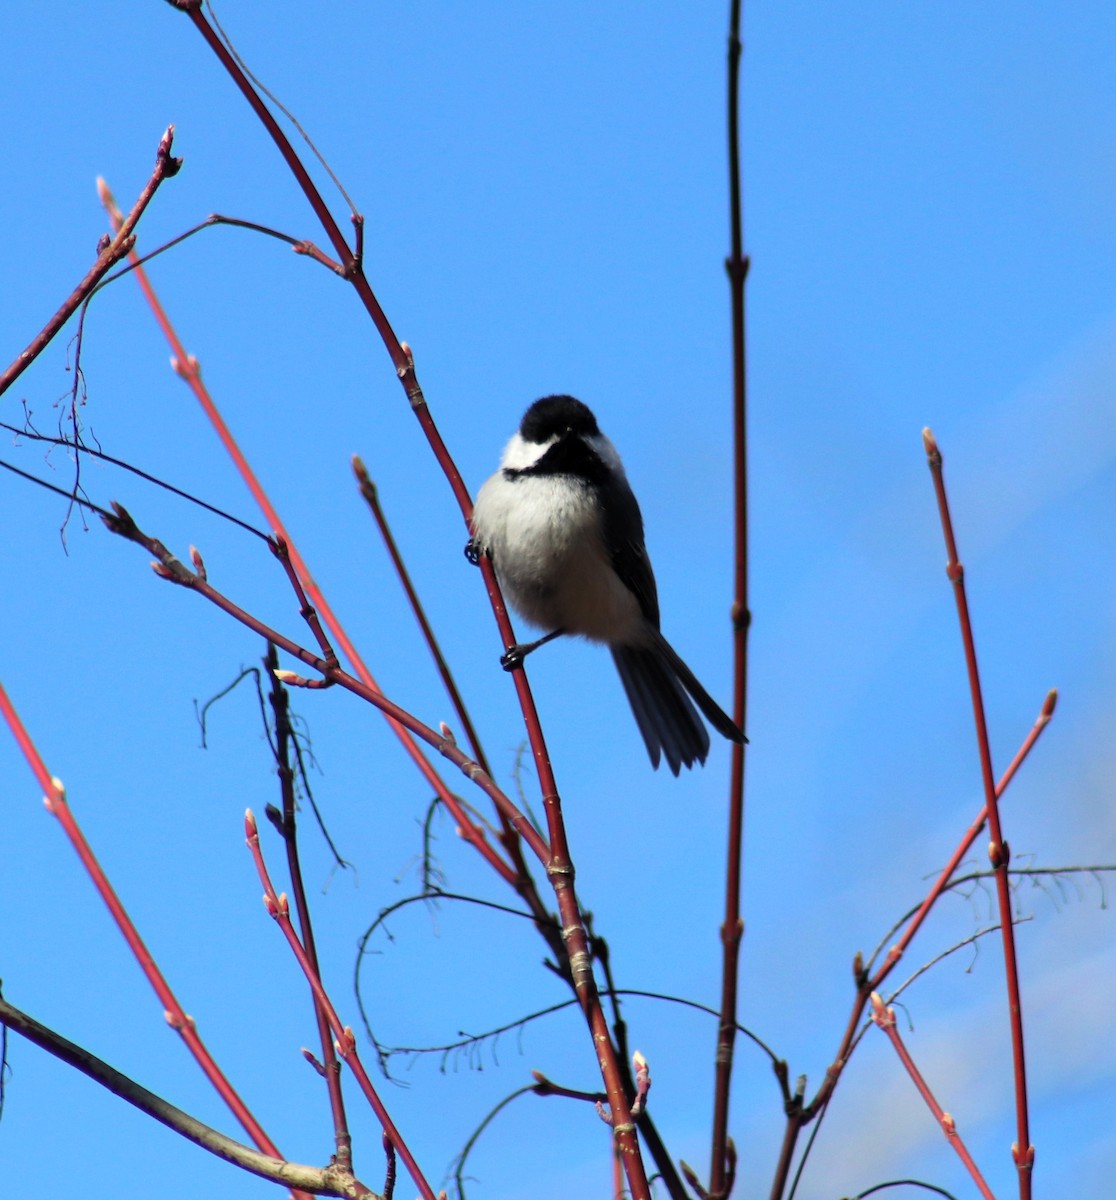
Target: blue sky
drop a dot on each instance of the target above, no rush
(930, 213)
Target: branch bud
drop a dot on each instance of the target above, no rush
(881, 1015)
(312, 1059)
(191, 368)
(107, 199)
(59, 796)
(930, 445)
(642, 1082)
(691, 1178)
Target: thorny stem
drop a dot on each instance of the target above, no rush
(1023, 1152)
(732, 927)
(109, 255)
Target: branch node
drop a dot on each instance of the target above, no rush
(1024, 1160)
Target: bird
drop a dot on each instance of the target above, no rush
(564, 532)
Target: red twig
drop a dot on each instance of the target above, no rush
(617, 1175)
(278, 908)
(559, 865)
(560, 873)
(523, 882)
(885, 1019)
(109, 254)
(186, 365)
(799, 1115)
(166, 566)
(732, 927)
(54, 798)
(1023, 1152)
(971, 835)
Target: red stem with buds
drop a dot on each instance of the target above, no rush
(54, 797)
(885, 1019)
(998, 852)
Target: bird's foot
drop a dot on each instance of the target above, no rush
(512, 658)
(473, 551)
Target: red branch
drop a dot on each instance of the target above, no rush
(915, 923)
(999, 854)
(54, 798)
(722, 1163)
(559, 867)
(166, 566)
(108, 256)
(278, 908)
(885, 1019)
(798, 1114)
(186, 365)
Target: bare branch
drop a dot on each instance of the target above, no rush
(330, 1181)
(109, 254)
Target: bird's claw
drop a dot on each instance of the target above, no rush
(473, 551)
(512, 658)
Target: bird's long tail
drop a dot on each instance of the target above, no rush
(657, 681)
(667, 720)
(714, 714)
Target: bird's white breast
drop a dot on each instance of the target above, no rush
(544, 535)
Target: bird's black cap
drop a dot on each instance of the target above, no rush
(557, 414)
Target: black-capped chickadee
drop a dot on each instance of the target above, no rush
(565, 535)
